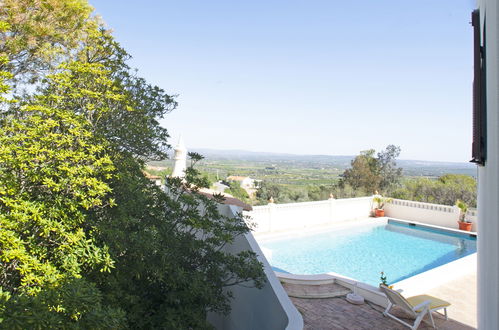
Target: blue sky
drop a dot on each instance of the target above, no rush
(307, 77)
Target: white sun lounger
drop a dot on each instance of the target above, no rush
(416, 306)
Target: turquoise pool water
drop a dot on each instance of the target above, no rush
(398, 249)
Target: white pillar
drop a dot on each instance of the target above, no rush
(488, 181)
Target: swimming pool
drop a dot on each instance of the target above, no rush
(399, 249)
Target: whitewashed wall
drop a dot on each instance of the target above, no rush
(488, 177)
(278, 217)
(267, 308)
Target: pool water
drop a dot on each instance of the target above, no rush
(397, 249)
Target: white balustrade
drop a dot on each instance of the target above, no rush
(432, 214)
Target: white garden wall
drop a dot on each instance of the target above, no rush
(432, 214)
(281, 217)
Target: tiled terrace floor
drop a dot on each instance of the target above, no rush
(462, 292)
(337, 313)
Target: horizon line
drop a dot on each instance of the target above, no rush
(326, 155)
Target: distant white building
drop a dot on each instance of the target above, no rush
(244, 181)
(154, 178)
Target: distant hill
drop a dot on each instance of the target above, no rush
(430, 168)
(411, 167)
(272, 157)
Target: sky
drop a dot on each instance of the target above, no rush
(307, 77)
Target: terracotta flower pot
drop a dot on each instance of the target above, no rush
(464, 225)
(379, 213)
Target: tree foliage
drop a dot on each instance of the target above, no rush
(52, 171)
(238, 192)
(73, 304)
(87, 241)
(282, 193)
(389, 173)
(445, 190)
(319, 192)
(135, 131)
(267, 190)
(369, 173)
(364, 173)
(170, 265)
(285, 194)
(37, 35)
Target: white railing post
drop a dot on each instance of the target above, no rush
(332, 206)
(271, 206)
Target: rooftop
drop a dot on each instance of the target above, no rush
(229, 199)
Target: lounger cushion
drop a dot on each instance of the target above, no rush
(435, 303)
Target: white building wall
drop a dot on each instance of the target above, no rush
(267, 308)
(488, 180)
(248, 183)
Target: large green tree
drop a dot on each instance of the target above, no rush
(89, 242)
(364, 173)
(389, 173)
(369, 173)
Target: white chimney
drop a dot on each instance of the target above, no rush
(180, 160)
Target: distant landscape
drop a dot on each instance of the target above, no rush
(288, 178)
(93, 238)
(293, 169)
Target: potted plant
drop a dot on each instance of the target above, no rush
(464, 224)
(382, 278)
(380, 204)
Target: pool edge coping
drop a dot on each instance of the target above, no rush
(446, 229)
